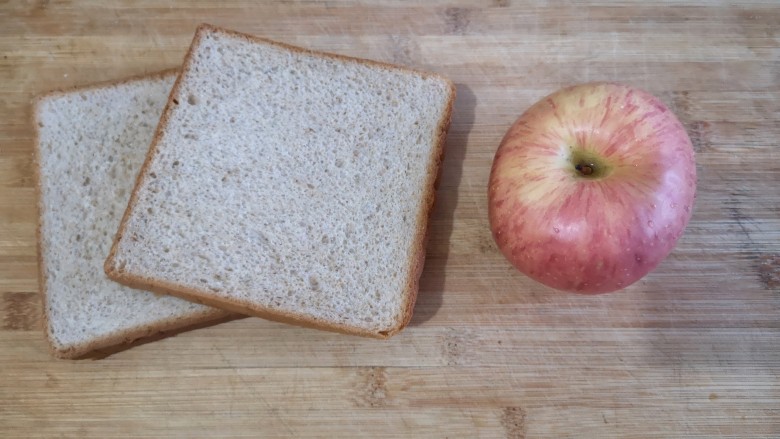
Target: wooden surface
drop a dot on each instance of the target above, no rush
(693, 350)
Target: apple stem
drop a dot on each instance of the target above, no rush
(585, 169)
(589, 165)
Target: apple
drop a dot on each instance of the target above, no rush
(591, 188)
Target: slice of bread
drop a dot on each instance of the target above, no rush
(90, 144)
(288, 184)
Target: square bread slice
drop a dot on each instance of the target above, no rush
(288, 184)
(90, 144)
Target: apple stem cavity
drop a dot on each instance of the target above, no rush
(588, 165)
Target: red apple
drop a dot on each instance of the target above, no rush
(591, 188)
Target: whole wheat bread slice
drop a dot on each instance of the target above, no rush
(288, 184)
(90, 144)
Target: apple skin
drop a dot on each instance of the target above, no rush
(601, 231)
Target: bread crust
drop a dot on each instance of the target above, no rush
(416, 257)
(234, 305)
(119, 338)
(423, 217)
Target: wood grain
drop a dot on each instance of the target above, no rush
(689, 351)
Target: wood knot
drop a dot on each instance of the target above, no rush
(681, 105)
(486, 244)
(699, 132)
(403, 50)
(21, 311)
(457, 20)
(41, 6)
(769, 271)
(513, 421)
(454, 344)
(373, 390)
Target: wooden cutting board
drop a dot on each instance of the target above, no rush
(693, 350)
